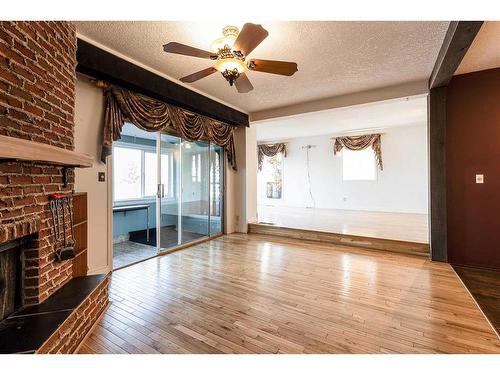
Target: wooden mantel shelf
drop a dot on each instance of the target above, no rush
(21, 149)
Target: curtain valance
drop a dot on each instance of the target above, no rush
(154, 115)
(270, 151)
(360, 142)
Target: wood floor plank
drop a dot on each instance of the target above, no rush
(263, 294)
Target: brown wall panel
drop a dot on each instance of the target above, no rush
(473, 147)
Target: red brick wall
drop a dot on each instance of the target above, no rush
(37, 81)
(69, 335)
(37, 89)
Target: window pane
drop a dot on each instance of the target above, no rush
(150, 173)
(272, 176)
(198, 174)
(127, 173)
(165, 174)
(193, 168)
(358, 165)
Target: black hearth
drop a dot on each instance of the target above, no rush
(10, 278)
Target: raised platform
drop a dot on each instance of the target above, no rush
(405, 247)
(398, 226)
(58, 324)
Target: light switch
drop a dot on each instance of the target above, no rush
(101, 177)
(480, 179)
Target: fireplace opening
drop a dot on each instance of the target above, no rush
(10, 278)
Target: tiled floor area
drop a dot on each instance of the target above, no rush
(128, 252)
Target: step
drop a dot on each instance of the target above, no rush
(405, 247)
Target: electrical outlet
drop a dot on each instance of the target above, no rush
(480, 179)
(344, 199)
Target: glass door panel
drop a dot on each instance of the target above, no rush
(169, 191)
(194, 191)
(216, 189)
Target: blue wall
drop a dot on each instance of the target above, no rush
(133, 220)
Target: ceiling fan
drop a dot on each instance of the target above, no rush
(230, 53)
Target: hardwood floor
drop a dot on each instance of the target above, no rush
(484, 285)
(262, 294)
(388, 225)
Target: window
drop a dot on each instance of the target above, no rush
(135, 173)
(358, 165)
(127, 173)
(272, 171)
(150, 174)
(196, 168)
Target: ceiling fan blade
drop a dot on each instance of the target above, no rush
(250, 36)
(284, 68)
(182, 49)
(243, 84)
(198, 75)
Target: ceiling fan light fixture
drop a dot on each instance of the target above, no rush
(229, 34)
(230, 63)
(230, 67)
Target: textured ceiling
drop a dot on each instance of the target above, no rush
(484, 52)
(360, 118)
(334, 58)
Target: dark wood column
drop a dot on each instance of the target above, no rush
(437, 172)
(457, 41)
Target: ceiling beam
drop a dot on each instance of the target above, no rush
(100, 64)
(456, 42)
(358, 98)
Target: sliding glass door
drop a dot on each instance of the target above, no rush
(216, 189)
(195, 191)
(169, 202)
(190, 191)
(166, 192)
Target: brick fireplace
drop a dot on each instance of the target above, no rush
(37, 85)
(37, 95)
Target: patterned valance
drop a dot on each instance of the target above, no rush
(270, 151)
(153, 115)
(360, 143)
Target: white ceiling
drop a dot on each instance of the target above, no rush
(334, 58)
(360, 119)
(484, 52)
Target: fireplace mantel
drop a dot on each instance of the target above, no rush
(21, 149)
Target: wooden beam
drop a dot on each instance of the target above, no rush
(456, 42)
(21, 149)
(437, 173)
(100, 64)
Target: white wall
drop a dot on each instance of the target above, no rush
(251, 174)
(235, 213)
(88, 138)
(401, 187)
